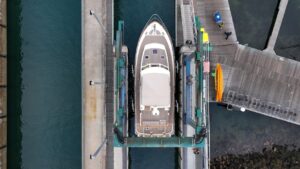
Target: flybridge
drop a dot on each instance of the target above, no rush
(194, 98)
(156, 95)
(155, 85)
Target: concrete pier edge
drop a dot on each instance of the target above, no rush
(96, 39)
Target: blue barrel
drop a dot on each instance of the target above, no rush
(218, 17)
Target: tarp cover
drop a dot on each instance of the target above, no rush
(155, 87)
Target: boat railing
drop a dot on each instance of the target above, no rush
(157, 127)
(156, 17)
(154, 65)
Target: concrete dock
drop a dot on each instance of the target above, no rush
(95, 37)
(3, 84)
(98, 88)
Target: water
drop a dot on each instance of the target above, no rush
(236, 132)
(288, 42)
(253, 24)
(149, 158)
(136, 13)
(44, 84)
(253, 20)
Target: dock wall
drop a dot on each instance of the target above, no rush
(3, 85)
(95, 38)
(97, 97)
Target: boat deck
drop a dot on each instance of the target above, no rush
(164, 123)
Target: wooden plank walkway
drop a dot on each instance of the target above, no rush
(109, 88)
(3, 84)
(257, 80)
(222, 48)
(263, 82)
(187, 20)
(179, 32)
(205, 10)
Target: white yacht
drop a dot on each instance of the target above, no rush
(154, 81)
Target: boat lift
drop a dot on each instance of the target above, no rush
(121, 137)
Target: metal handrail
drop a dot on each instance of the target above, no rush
(95, 154)
(154, 65)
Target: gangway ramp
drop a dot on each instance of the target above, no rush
(187, 17)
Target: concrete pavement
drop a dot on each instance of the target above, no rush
(93, 96)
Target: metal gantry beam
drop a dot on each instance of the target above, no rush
(158, 142)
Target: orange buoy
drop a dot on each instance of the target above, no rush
(219, 86)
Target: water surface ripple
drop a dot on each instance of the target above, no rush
(44, 84)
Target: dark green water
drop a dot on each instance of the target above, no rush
(253, 23)
(135, 14)
(288, 42)
(44, 84)
(236, 132)
(253, 20)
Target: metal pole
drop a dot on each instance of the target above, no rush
(96, 83)
(93, 156)
(98, 20)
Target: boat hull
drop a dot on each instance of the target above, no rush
(154, 82)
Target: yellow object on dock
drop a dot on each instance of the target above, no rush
(205, 38)
(219, 86)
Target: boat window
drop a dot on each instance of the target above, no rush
(162, 56)
(146, 57)
(154, 51)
